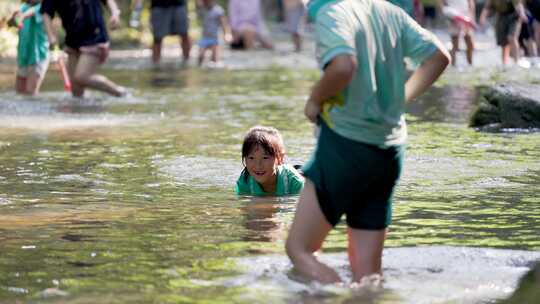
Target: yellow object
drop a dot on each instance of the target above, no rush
(328, 104)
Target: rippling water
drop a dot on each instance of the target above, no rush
(131, 200)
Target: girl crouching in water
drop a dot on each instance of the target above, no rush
(265, 173)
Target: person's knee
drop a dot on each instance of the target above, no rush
(81, 78)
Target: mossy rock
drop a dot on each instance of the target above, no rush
(528, 290)
(509, 106)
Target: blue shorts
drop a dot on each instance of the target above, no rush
(207, 42)
(355, 179)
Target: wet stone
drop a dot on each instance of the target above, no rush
(508, 106)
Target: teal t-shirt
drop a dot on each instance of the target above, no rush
(380, 35)
(33, 44)
(289, 181)
(406, 5)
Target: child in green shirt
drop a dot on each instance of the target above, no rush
(265, 173)
(32, 49)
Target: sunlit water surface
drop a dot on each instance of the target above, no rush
(131, 200)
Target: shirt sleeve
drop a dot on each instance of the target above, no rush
(241, 186)
(334, 35)
(418, 43)
(296, 182)
(37, 15)
(47, 7)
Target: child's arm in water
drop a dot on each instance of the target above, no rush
(337, 75)
(426, 74)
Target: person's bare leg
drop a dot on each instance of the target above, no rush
(297, 40)
(77, 89)
(156, 51)
(455, 49)
(470, 48)
(265, 42)
(202, 52)
(536, 29)
(307, 233)
(33, 83)
(215, 53)
(514, 44)
(86, 75)
(20, 85)
(365, 252)
(249, 36)
(185, 45)
(505, 51)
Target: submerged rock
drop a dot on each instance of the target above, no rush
(508, 106)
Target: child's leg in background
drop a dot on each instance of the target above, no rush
(185, 45)
(513, 39)
(86, 76)
(215, 52)
(470, 47)
(77, 89)
(202, 52)
(297, 39)
(36, 76)
(20, 85)
(455, 48)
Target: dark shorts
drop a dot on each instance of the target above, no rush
(507, 25)
(171, 20)
(430, 12)
(355, 179)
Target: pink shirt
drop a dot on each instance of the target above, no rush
(245, 13)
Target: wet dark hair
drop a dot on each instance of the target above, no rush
(268, 139)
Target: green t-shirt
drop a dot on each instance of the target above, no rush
(288, 179)
(33, 44)
(406, 5)
(370, 109)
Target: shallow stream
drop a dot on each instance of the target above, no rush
(131, 200)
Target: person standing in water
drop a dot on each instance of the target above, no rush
(32, 48)
(87, 41)
(361, 45)
(213, 18)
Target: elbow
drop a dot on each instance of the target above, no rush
(445, 58)
(345, 66)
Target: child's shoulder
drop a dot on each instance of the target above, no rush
(291, 170)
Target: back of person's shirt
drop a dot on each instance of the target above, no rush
(379, 35)
(504, 6)
(82, 20)
(245, 12)
(167, 3)
(33, 44)
(212, 21)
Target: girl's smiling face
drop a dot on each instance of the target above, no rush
(262, 166)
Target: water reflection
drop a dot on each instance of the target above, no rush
(266, 218)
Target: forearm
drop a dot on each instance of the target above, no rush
(113, 8)
(426, 74)
(337, 75)
(47, 22)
